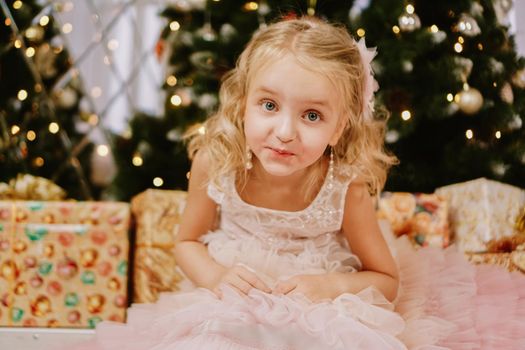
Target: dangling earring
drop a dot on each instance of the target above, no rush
(330, 173)
(248, 165)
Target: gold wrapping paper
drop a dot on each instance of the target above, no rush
(29, 187)
(157, 215)
(63, 273)
(481, 210)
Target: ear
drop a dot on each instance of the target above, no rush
(338, 132)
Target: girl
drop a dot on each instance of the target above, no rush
(279, 230)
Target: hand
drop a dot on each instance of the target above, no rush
(315, 287)
(242, 280)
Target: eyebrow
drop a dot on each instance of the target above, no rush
(322, 103)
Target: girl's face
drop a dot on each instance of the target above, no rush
(291, 116)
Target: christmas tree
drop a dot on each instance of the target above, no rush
(201, 42)
(448, 75)
(42, 130)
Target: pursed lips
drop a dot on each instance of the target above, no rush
(281, 151)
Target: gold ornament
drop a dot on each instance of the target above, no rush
(21, 288)
(96, 303)
(45, 61)
(49, 250)
(40, 306)
(114, 284)
(518, 79)
(35, 33)
(506, 94)
(19, 246)
(53, 323)
(469, 100)
(65, 98)
(9, 270)
(88, 257)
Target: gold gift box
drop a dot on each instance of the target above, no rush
(63, 264)
(512, 261)
(482, 210)
(157, 216)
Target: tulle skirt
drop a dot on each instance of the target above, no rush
(444, 302)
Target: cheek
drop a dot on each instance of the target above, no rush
(251, 128)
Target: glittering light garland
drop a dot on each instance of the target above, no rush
(52, 9)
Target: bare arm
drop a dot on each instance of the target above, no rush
(364, 236)
(198, 218)
(192, 256)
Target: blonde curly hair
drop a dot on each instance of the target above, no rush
(323, 48)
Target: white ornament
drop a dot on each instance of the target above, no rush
(391, 136)
(264, 9)
(407, 66)
(438, 36)
(470, 100)
(499, 169)
(516, 122)
(66, 98)
(197, 4)
(496, 66)
(207, 101)
(186, 95)
(476, 9)
(506, 94)
(174, 135)
(103, 168)
(207, 32)
(452, 108)
(408, 22)
(502, 8)
(227, 32)
(357, 9)
(468, 25)
(463, 67)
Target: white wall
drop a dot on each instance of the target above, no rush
(518, 25)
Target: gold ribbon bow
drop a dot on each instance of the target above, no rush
(520, 221)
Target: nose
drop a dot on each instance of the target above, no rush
(286, 130)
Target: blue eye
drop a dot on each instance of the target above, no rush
(313, 116)
(269, 105)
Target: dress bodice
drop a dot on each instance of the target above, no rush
(308, 240)
(323, 215)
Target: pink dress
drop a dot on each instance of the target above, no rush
(443, 302)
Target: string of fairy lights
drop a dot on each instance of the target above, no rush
(28, 40)
(469, 100)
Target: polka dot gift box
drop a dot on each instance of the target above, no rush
(63, 264)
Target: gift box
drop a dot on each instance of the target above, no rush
(482, 210)
(157, 216)
(423, 217)
(513, 261)
(63, 264)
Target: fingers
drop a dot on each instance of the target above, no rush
(241, 280)
(253, 280)
(285, 287)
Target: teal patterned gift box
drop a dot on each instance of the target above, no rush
(63, 264)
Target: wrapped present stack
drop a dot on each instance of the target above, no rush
(423, 217)
(488, 218)
(63, 263)
(157, 215)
